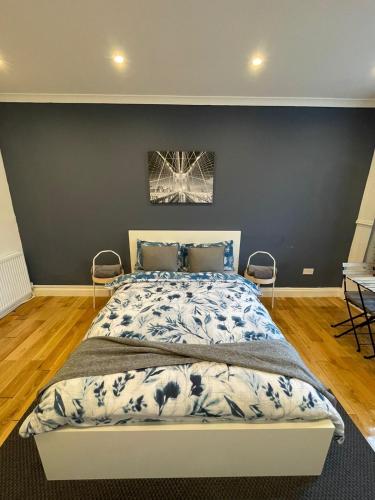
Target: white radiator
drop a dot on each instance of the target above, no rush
(15, 286)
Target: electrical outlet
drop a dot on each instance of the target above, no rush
(308, 270)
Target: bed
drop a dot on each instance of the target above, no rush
(199, 419)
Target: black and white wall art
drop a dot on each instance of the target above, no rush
(181, 176)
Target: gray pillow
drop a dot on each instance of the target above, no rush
(209, 259)
(157, 258)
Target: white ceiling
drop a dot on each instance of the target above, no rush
(186, 50)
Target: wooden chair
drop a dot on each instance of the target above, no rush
(100, 280)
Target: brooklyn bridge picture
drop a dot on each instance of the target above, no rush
(181, 176)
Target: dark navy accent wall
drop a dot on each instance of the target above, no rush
(291, 179)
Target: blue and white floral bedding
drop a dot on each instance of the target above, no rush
(201, 308)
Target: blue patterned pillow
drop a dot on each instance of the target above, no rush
(139, 264)
(228, 253)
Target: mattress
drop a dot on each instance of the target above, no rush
(201, 308)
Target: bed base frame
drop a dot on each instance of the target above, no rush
(186, 450)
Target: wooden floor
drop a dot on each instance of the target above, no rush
(37, 337)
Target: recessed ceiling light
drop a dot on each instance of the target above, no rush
(118, 59)
(257, 61)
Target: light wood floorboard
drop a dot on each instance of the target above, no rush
(35, 340)
(38, 336)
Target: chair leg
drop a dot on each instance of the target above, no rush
(369, 321)
(273, 293)
(338, 335)
(359, 325)
(93, 298)
(346, 320)
(354, 327)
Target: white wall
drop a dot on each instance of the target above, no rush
(10, 241)
(365, 219)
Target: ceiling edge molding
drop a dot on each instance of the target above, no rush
(188, 100)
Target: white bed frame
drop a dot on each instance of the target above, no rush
(186, 449)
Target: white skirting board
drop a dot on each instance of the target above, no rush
(69, 291)
(186, 450)
(86, 290)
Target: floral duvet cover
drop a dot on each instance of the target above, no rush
(204, 308)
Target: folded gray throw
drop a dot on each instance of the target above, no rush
(260, 272)
(107, 270)
(107, 355)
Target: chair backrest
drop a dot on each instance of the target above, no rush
(106, 251)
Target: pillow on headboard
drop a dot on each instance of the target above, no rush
(206, 259)
(139, 264)
(160, 258)
(228, 253)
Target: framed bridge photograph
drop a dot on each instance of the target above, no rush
(181, 176)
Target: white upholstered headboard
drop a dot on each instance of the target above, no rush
(183, 237)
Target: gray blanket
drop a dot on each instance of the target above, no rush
(107, 355)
